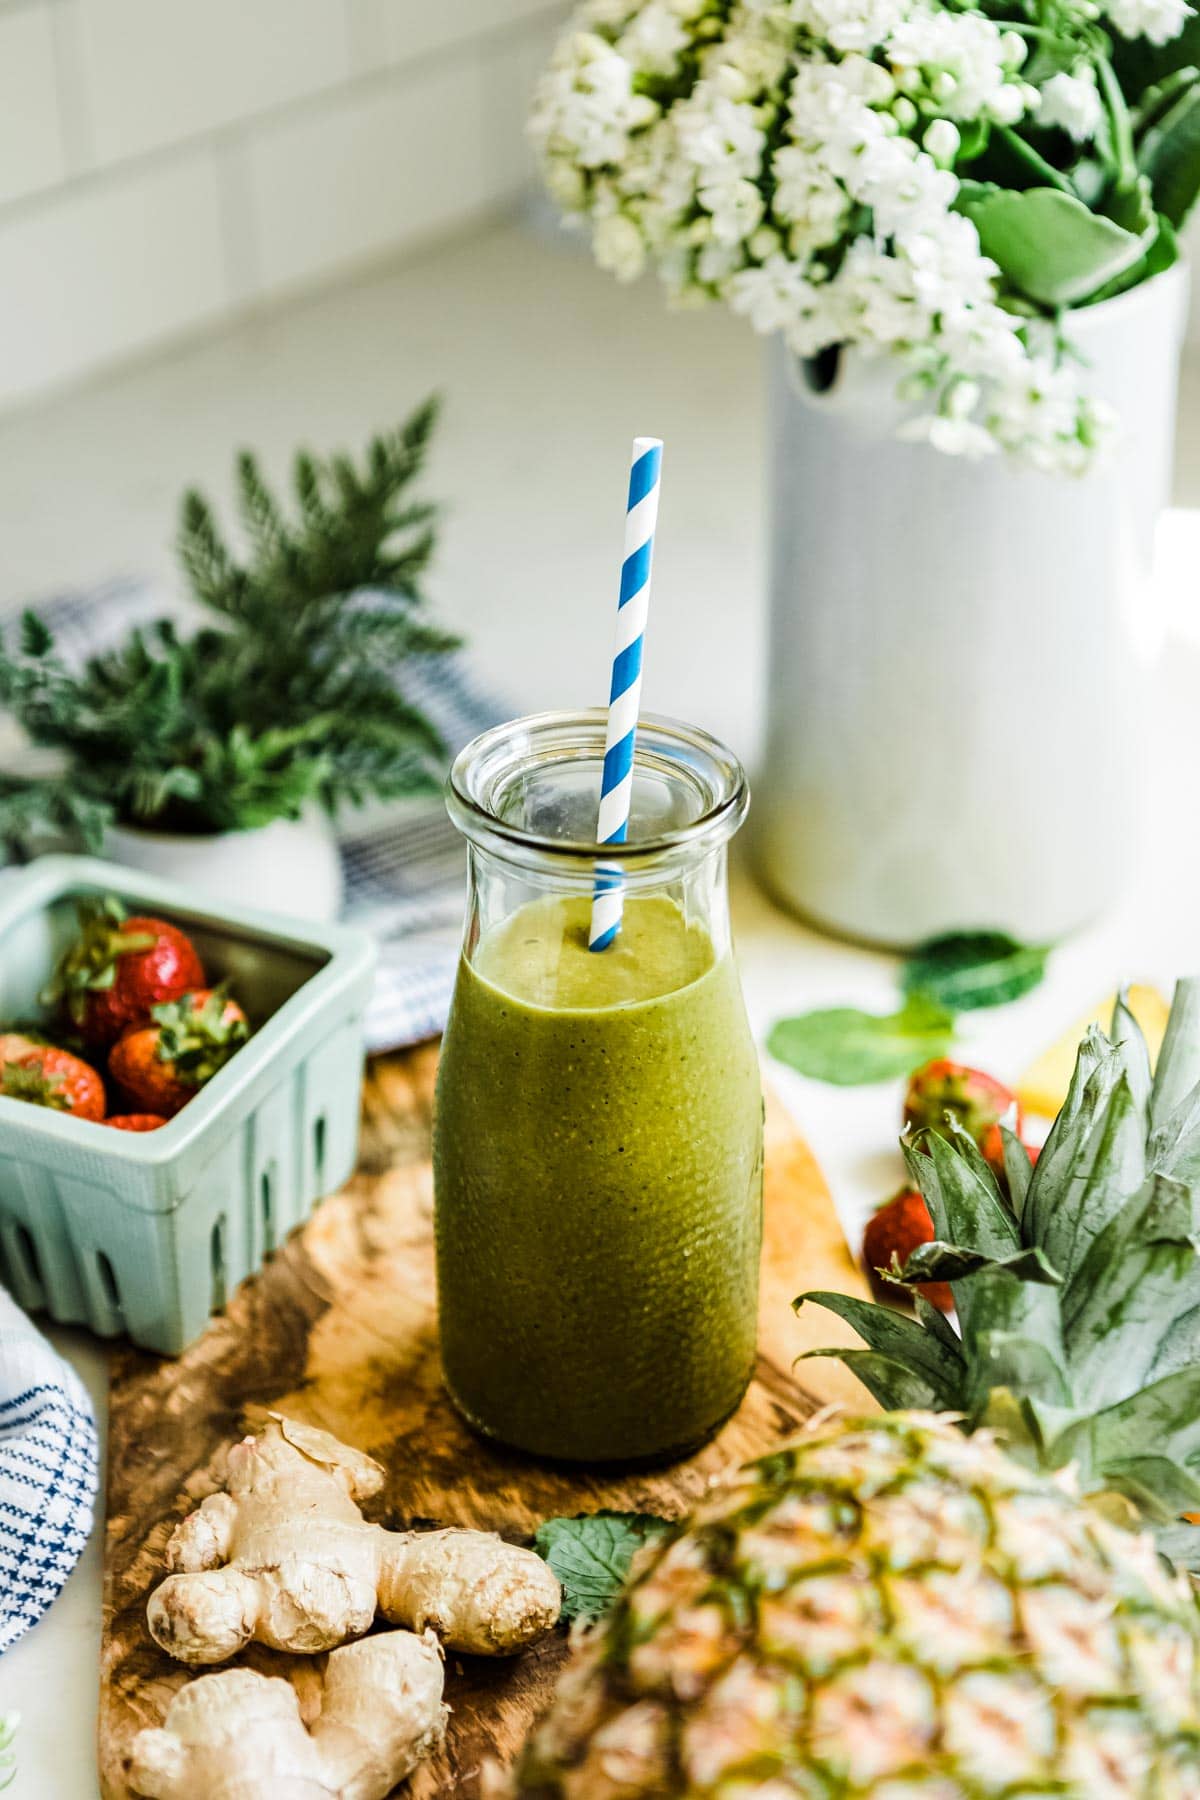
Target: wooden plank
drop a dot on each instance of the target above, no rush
(340, 1330)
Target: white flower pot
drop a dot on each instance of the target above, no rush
(960, 650)
(289, 866)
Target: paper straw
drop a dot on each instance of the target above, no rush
(625, 693)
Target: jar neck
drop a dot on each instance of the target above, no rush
(526, 796)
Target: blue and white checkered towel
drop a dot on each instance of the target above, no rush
(48, 1469)
(405, 872)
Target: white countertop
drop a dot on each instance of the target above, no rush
(548, 370)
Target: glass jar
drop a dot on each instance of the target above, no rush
(598, 1126)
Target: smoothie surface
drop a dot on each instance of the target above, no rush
(541, 957)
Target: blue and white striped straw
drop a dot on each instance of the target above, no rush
(624, 700)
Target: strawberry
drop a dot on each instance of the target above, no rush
(896, 1229)
(135, 1121)
(979, 1102)
(46, 1076)
(163, 1064)
(119, 969)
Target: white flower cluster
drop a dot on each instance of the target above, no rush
(794, 158)
(1158, 20)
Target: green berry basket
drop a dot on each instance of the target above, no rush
(148, 1234)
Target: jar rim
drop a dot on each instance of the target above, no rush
(473, 774)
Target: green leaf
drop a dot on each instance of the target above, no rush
(1049, 245)
(1141, 66)
(1017, 1363)
(1165, 1416)
(1169, 156)
(966, 1207)
(965, 970)
(893, 1384)
(1178, 1069)
(1158, 99)
(850, 1048)
(1139, 1278)
(937, 1261)
(1018, 1171)
(591, 1555)
(902, 1340)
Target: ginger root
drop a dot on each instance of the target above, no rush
(285, 1557)
(240, 1736)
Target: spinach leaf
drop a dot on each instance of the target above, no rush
(967, 969)
(847, 1047)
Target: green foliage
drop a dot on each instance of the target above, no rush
(849, 1048)
(1051, 246)
(968, 969)
(1077, 1290)
(292, 695)
(1169, 155)
(1072, 224)
(591, 1556)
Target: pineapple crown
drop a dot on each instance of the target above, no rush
(1076, 1283)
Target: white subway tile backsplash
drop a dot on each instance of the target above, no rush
(164, 162)
(162, 70)
(369, 172)
(31, 150)
(107, 269)
(401, 29)
(513, 68)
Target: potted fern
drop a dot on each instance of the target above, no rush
(218, 754)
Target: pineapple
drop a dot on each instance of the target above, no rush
(944, 1602)
(886, 1610)
(1077, 1285)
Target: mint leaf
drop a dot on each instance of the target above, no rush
(849, 1048)
(591, 1555)
(964, 970)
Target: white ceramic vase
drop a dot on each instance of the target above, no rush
(290, 866)
(959, 652)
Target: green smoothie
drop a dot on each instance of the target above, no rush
(598, 1183)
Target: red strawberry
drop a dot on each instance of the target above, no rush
(897, 1228)
(119, 969)
(45, 1076)
(979, 1102)
(162, 1065)
(135, 1121)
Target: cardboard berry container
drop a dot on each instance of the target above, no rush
(148, 1234)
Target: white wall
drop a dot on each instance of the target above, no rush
(167, 162)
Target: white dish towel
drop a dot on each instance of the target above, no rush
(49, 1462)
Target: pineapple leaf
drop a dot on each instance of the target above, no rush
(964, 1203)
(1126, 1034)
(957, 1262)
(1178, 1073)
(1174, 1147)
(1165, 1415)
(1158, 1487)
(1110, 1173)
(1139, 1278)
(936, 1323)
(1012, 1360)
(893, 1384)
(1018, 1171)
(894, 1335)
(1180, 1543)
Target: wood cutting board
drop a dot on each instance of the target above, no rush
(340, 1330)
